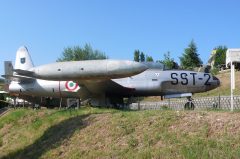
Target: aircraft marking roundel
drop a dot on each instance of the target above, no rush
(71, 86)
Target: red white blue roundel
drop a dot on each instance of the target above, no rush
(71, 86)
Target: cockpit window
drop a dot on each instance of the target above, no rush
(154, 65)
(23, 60)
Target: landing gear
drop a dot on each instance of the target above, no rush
(189, 105)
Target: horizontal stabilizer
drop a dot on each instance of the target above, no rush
(181, 95)
(23, 72)
(17, 78)
(3, 92)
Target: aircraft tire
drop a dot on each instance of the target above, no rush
(189, 106)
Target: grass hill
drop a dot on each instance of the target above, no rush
(106, 133)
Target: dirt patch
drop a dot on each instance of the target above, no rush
(210, 123)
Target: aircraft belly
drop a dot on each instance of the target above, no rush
(168, 87)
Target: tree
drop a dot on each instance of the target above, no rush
(136, 55)
(77, 53)
(142, 57)
(169, 62)
(149, 58)
(190, 58)
(220, 56)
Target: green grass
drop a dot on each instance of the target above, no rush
(107, 133)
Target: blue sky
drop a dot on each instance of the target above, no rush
(117, 28)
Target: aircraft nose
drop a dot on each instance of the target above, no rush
(213, 83)
(216, 82)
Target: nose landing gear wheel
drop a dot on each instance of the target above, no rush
(189, 106)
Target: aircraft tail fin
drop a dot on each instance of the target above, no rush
(23, 59)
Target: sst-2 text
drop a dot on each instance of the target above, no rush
(183, 78)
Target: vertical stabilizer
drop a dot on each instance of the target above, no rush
(23, 59)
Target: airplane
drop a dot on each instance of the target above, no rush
(103, 82)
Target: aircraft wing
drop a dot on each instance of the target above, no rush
(108, 87)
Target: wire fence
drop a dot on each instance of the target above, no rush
(216, 102)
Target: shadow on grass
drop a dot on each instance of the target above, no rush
(52, 138)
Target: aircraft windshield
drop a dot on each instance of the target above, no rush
(155, 65)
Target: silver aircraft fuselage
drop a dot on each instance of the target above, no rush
(152, 82)
(45, 88)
